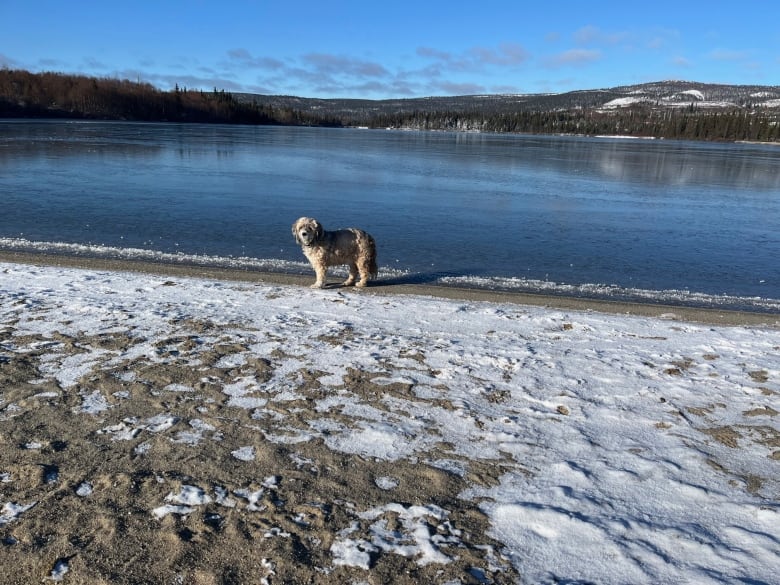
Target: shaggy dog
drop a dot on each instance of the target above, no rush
(350, 246)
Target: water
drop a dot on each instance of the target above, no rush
(657, 220)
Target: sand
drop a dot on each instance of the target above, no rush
(270, 512)
(288, 512)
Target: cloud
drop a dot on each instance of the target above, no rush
(93, 64)
(587, 34)
(394, 88)
(329, 87)
(433, 70)
(681, 62)
(477, 58)
(336, 64)
(239, 54)
(244, 58)
(744, 61)
(434, 54)
(656, 43)
(448, 61)
(573, 57)
(508, 54)
(167, 81)
(453, 88)
(727, 55)
(52, 64)
(313, 72)
(592, 35)
(505, 89)
(662, 37)
(7, 62)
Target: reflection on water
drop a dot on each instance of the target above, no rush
(632, 213)
(680, 164)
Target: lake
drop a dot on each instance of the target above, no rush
(656, 220)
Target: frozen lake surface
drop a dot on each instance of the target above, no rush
(662, 221)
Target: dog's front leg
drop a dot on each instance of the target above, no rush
(321, 272)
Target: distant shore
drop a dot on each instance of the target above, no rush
(671, 312)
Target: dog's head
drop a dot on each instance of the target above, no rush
(307, 230)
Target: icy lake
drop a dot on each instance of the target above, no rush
(655, 220)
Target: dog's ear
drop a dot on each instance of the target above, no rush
(295, 231)
(318, 229)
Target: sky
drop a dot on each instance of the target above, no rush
(379, 50)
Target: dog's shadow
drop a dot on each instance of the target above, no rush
(419, 278)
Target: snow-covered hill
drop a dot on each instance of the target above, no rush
(664, 94)
(683, 93)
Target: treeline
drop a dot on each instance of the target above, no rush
(55, 95)
(688, 123)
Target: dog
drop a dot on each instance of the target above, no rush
(351, 246)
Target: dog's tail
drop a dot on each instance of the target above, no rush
(373, 269)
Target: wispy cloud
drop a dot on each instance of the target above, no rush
(504, 89)
(587, 35)
(573, 57)
(244, 58)
(662, 38)
(434, 54)
(592, 35)
(52, 64)
(681, 62)
(508, 54)
(433, 72)
(477, 58)
(94, 64)
(169, 80)
(6, 61)
(340, 65)
(325, 73)
(443, 60)
(743, 60)
(334, 74)
(453, 88)
(728, 55)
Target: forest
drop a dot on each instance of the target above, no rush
(637, 121)
(55, 95)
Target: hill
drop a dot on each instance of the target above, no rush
(664, 94)
(668, 109)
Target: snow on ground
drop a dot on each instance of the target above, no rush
(630, 449)
(625, 101)
(694, 93)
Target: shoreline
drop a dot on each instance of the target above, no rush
(661, 311)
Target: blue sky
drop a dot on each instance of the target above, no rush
(392, 49)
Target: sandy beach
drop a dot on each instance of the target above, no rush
(394, 286)
(166, 424)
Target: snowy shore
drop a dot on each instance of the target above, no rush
(156, 428)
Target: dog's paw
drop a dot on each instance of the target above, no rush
(318, 285)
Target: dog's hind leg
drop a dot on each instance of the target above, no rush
(353, 274)
(365, 272)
